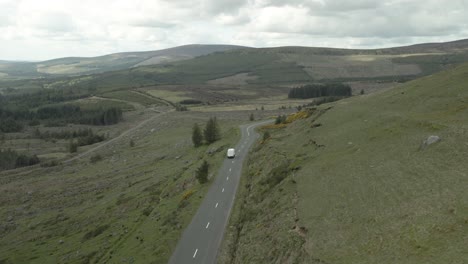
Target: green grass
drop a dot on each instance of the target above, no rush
(171, 96)
(359, 189)
(93, 104)
(431, 63)
(126, 207)
(132, 96)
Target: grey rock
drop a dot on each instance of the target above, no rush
(429, 141)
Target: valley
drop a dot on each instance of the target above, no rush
(335, 180)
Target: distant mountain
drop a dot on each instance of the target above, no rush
(111, 62)
(221, 64)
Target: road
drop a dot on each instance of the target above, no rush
(202, 238)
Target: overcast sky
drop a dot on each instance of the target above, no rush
(46, 29)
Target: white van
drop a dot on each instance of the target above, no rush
(231, 153)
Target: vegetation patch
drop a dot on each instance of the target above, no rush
(10, 159)
(95, 232)
(320, 90)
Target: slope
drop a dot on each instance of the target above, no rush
(295, 65)
(352, 183)
(111, 62)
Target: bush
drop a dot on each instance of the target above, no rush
(281, 119)
(10, 125)
(266, 135)
(181, 108)
(51, 163)
(95, 232)
(72, 147)
(197, 137)
(277, 175)
(190, 101)
(34, 122)
(95, 158)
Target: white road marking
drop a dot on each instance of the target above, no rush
(232, 161)
(195, 254)
(207, 225)
(222, 190)
(227, 178)
(230, 169)
(216, 206)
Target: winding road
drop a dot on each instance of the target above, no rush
(203, 236)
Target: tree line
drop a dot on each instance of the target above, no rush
(74, 114)
(11, 120)
(10, 159)
(84, 136)
(63, 134)
(320, 90)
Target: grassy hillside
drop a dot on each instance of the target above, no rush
(352, 184)
(130, 205)
(88, 65)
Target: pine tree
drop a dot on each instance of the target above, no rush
(251, 117)
(197, 137)
(202, 172)
(73, 147)
(212, 131)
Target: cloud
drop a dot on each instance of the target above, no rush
(90, 28)
(152, 23)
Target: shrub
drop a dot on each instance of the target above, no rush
(95, 232)
(277, 175)
(190, 101)
(72, 146)
(95, 158)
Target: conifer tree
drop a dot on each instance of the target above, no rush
(202, 172)
(211, 131)
(197, 137)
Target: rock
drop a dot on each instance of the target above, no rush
(429, 141)
(61, 241)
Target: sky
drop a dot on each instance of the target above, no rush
(47, 29)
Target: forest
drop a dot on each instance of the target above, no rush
(14, 120)
(320, 90)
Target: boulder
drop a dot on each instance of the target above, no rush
(429, 141)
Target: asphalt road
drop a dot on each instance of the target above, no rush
(201, 239)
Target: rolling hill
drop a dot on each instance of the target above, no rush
(353, 182)
(83, 65)
(292, 65)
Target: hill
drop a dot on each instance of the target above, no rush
(288, 66)
(111, 62)
(352, 182)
